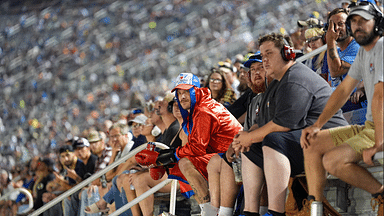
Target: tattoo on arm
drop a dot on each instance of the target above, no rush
(332, 53)
(206, 198)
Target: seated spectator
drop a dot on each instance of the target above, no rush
(230, 75)
(72, 174)
(338, 150)
(136, 125)
(221, 91)
(315, 38)
(83, 152)
(222, 186)
(44, 175)
(291, 101)
(99, 186)
(342, 49)
(207, 135)
(121, 142)
(304, 25)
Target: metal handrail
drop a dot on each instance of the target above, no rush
(94, 177)
(311, 54)
(27, 194)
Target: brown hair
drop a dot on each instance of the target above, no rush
(337, 11)
(223, 81)
(278, 39)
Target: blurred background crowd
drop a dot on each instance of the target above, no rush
(67, 66)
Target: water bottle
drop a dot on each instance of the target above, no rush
(236, 166)
(316, 208)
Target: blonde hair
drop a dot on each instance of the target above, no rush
(313, 32)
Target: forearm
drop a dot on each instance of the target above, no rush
(377, 115)
(336, 66)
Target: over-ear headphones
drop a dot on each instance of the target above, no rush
(371, 9)
(287, 51)
(170, 106)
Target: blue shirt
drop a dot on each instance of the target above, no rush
(348, 55)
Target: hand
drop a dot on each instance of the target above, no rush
(92, 189)
(71, 173)
(368, 155)
(332, 35)
(242, 138)
(147, 158)
(229, 154)
(307, 134)
(59, 178)
(355, 97)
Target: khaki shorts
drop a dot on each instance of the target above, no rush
(359, 137)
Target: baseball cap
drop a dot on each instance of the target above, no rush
(225, 67)
(81, 142)
(94, 136)
(140, 119)
(364, 9)
(311, 23)
(254, 58)
(186, 81)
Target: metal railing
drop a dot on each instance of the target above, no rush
(94, 177)
(27, 194)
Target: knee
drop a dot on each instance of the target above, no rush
(330, 163)
(214, 164)
(121, 179)
(185, 164)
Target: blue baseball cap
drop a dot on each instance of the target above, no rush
(186, 81)
(254, 58)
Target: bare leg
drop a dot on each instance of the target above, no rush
(253, 179)
(142, 182)
(213, 169)
(195, 179)
(341, 162)
(229, 188)
(131, 194)
(313, 163)
(277, 172)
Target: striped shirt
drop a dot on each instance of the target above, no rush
(103, 161)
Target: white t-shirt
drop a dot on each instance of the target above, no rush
(368, 66)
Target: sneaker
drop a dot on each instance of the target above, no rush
(268, 214)
(378, 200)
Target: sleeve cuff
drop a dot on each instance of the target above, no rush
(177, 158)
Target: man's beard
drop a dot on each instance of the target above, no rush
(242, 87)
(341, 39)
(365, 40)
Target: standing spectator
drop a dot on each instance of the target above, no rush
(338, 150)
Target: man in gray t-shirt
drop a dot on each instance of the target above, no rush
(339, 150)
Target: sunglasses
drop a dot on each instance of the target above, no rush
(312, 39)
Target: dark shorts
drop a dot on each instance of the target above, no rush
(286, 143)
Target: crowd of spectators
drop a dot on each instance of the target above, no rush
(76, 67)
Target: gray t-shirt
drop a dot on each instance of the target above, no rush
(369, 67)
(252, 112)
(299, 99)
